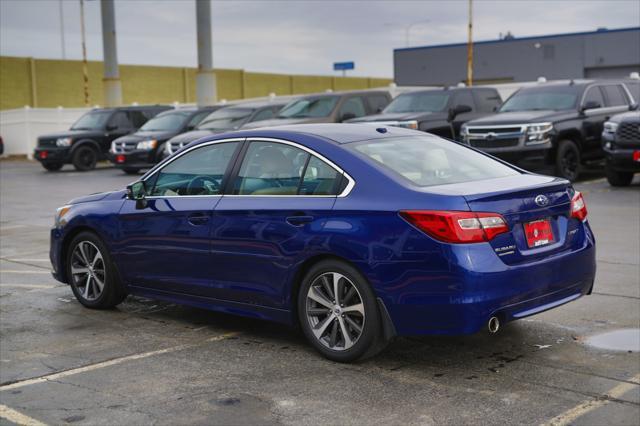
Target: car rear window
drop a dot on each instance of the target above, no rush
(428, 161)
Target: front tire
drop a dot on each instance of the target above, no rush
(85, 158)
(91, 274)
(338, 312)
(568, 160)
(616, 178)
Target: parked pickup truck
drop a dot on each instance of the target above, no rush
(557, 124)
(621, 144)
(438, 111)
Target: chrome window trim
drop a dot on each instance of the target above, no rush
(350, 181)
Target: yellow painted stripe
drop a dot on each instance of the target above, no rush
(115, 361)
(570, 415)
(17, 417)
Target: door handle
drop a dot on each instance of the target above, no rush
(299, 219)
(198, 219)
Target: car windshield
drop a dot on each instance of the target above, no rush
(226, 119)
(96, 120)
(428, 160)
(310, 107)
(166, 122)
(535, 99)
(419, 102)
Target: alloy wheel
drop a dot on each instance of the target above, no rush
(335, 311)
(88, 270)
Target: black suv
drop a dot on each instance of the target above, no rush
(438, 111)
(621, 144)
(88, 140)
(144, 148)
(557, 124)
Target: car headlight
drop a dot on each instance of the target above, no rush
(147, 145)
(538, 132)
(610, 127)
(64, 142)
(410, 124)
(59, 216)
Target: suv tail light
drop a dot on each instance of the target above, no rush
(457, 227)
(578, 206)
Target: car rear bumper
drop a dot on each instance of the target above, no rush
(478, 285)
(133, 159)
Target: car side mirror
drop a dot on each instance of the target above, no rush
(633, 107)
(457, 110)
(591, 105)
(137, 192)
(347, 116)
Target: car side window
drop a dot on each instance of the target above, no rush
(464, 98)
(198, 172)
(634, 88)
(487, 100)
(615, 95)
(265, 114)
(594, 94)
(377, 103)
(137, 118)
(120, 120)
(272, 168)
(196, 119)
(352, 108)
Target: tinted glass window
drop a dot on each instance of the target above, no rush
(634, 88)
(487, 100)
(121, 120)
(615, 96)
(593, 94)
(464, 98)
(352, 108)
(377, 102)
(197, 118)
(138, 118)
(310, 107)
(270, 168)
(419, 102)
(538, 99)
(226, 119)
(198, 172)
(264, 114)
(428, 161)
(319, 178)
(169, 121)
(92, 121)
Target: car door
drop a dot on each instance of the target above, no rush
(164, 241)
(594, 118)
(463, 97)
(277, 205)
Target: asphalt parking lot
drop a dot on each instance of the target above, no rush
(149, 362)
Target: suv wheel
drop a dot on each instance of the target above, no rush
(130, 171)
(52, 167)
(85, 158)
(618, 178)
(568, 161)
(92, 276)
(338, 312)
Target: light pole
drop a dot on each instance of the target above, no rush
(111, 79)
(470, 47)
(206, 78)
(61, 12)
(407, 29)
(85, 68)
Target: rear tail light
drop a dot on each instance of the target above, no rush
(457, 227)
(578, 207)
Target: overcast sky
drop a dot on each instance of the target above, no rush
(303, 37)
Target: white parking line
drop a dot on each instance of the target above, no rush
(24, 260)
(570, 415)
(17, 271)
(18, 418)
(2, 285)
(111, 362)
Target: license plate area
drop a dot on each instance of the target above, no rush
(538, 233)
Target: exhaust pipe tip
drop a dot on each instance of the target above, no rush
(493, 325)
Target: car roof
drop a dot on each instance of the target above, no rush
(341, 133)
(133, 108)
(258, 104)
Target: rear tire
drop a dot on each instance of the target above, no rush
(618, 178)
(52, 167)
(325, 319)
(91, 274)
(131, 171)
(568, 160)
(85, 158)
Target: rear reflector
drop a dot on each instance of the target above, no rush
(120, 158)
(578, 206)
(636, 155)
(457, 227)
(44, 155)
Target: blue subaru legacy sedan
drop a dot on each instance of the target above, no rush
(354, 233)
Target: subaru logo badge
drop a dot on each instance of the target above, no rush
(541, 200)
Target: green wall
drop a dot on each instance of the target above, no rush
(52, 83)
